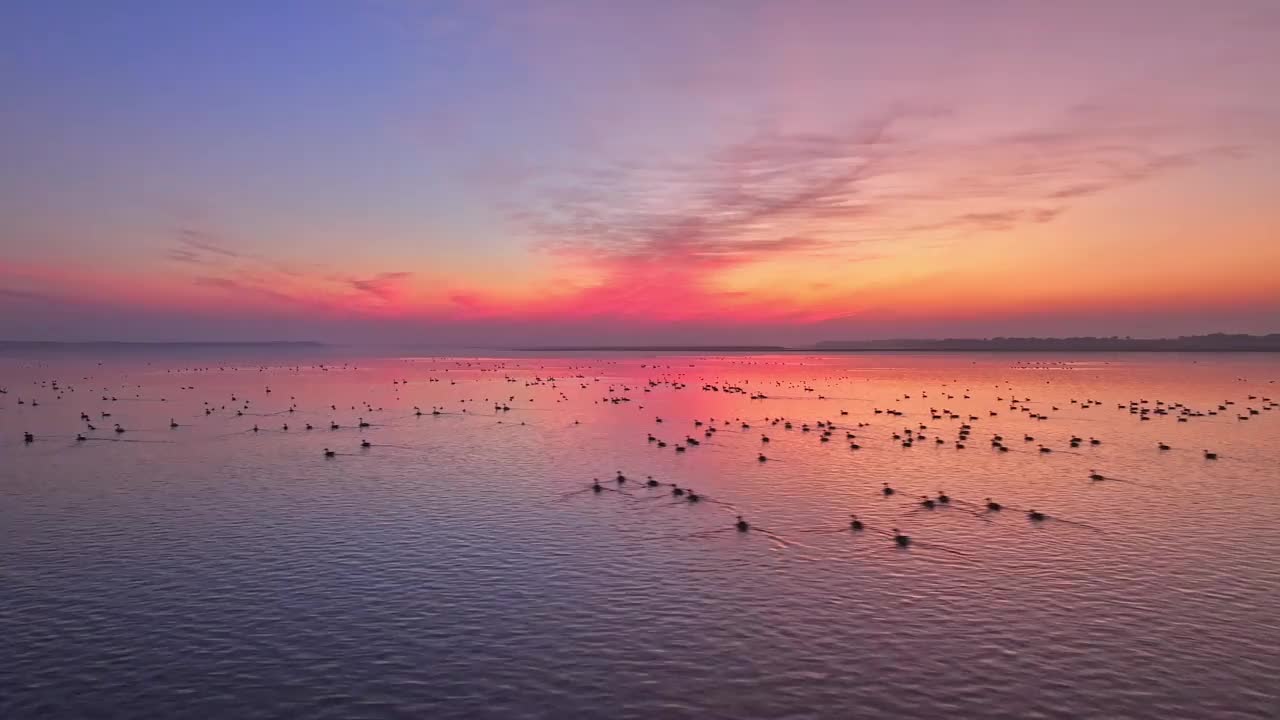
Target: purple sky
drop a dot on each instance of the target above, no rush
(638, 172)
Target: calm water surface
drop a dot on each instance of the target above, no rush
(461, 567)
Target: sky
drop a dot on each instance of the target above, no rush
(721, 171)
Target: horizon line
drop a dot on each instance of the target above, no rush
(1218, 341)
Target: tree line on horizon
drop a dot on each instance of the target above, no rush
(1189, 343)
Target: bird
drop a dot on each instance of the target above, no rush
(329, 453)
(900, 539)
(855, 523)
(742, 525)
(1035, 515)
(886, 490)
(993, 505)
(1096, 476)
(1210, 455)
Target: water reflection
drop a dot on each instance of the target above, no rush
(452, 557)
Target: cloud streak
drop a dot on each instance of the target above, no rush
(734, 236)
(663, 241)
(384, 287)
(668, 169)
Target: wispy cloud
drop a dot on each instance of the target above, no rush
(383, 286)
(248, 277)
(248, 289)
(199, 241)
(661, 238)
(714, 237)
(24, 295)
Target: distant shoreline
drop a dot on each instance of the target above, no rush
(655, 348)
(1196, 343)
(160, 343)
(1217, 342)
(853, 351)
(1188, 344)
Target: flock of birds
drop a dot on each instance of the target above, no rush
(620, 393)
(908, 436)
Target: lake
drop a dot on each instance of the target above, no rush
(462, 565)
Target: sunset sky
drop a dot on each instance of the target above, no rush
(656, 172)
